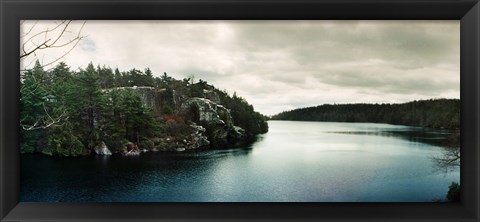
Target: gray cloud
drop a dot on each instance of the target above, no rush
(279, 65)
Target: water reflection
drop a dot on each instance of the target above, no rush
(295, 161)
(443, 138)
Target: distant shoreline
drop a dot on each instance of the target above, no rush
(433, 113)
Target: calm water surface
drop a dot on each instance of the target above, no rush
(294, 161)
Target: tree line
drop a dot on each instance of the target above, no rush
(434, 113)
(68, 113)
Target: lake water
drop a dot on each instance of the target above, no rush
(294, 161)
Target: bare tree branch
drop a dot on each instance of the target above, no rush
(52, 38)
(32, 127)
(35, 87)
(60, 36)
(46, 122)
(31, 28)
(30, 40)
(450, 157)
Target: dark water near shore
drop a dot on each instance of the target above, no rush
(295, 161)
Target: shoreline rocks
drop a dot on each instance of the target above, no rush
(102, 149)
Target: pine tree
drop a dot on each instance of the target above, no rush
(33, 96)
(88, 95)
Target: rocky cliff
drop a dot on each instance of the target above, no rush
(110, 113)
(211, 123)
(216, 119)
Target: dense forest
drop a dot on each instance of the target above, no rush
(434, 113)
(71, 113)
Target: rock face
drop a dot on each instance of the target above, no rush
(147, 94)
(211, 95)
(152, 97)
(207, 111)
(216, 119)
(102, 149)
(197, 138)
(211, 123)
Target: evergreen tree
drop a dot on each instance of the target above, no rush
(118, 78)
(66, 113)
(148, 73)
(34, 94)
(138, 119)
(88, 95)
(437, 113)
(113, 121)
(105, 77)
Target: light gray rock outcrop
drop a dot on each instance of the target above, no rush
(215, 118)
(102, 149)
(198, 137)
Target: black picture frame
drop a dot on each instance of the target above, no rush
(12, 11)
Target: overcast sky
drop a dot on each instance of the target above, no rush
(282, 65)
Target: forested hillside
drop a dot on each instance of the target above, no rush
(435, 113)
(71, 113)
